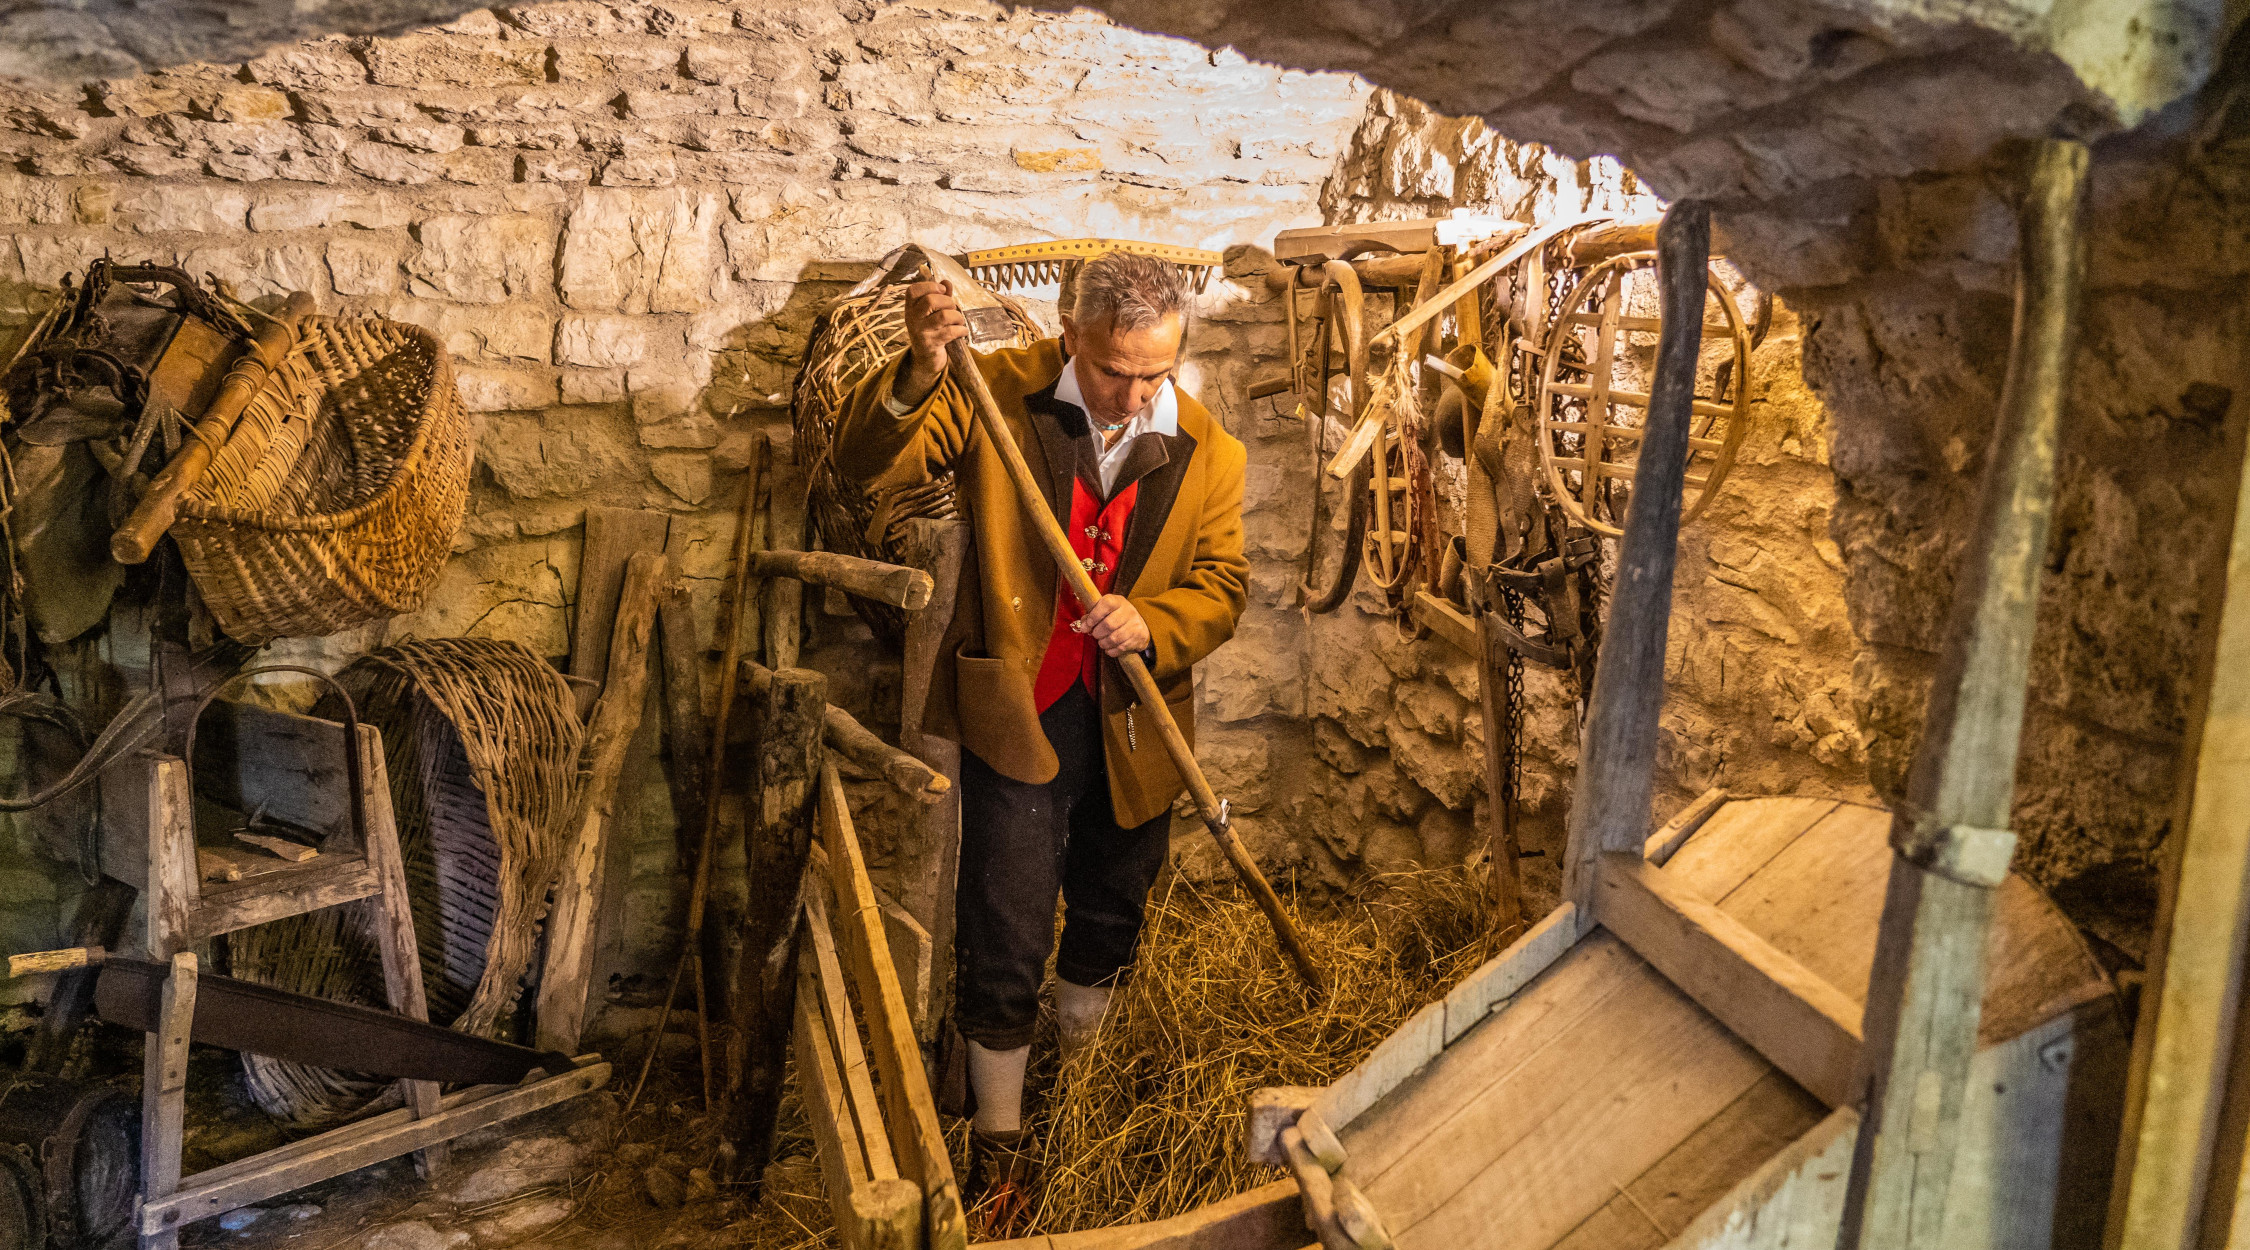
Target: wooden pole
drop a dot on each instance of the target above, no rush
(714, 773)
(1144, 686)
(564, 977)
(1609, 805)
(2180, 1173)
(869, 579)
(1951, 831)
(789, 722)
(929, 860)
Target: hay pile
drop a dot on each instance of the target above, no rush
(1151, 1124)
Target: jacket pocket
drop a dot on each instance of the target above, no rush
(999, 718)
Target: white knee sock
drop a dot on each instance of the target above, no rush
(996, 1077)
(1078, 1015)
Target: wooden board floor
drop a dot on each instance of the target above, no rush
(1601, 1107)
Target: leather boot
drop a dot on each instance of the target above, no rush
(1003, 1173)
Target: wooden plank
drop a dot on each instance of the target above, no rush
(916, 1137)
(1467, 1072)
(843, 1160)
(2188, 1047)
(1805, 1026)
(1482, 992)
(1268, 1216)
(612, 536)
(127, 801)
(164, 1097)
(1732, 1145)
(911, 953)
(389, 916)
(880, 1161)
(1541, 1149)
(1667, 840)
(564, 977)
(352, 1147)
(1794, 1202)
(1740, 838)
(1447, 623)
(291, 890)
(1609, 807)
(1419, 235)
(2038, 1136)
(929, 856)
(787, 730)
(287, 768)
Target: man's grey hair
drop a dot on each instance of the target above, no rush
(1136, 290)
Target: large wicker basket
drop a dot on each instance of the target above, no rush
(854, 337)
(347, 507)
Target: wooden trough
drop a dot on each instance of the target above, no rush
(1667, 1072)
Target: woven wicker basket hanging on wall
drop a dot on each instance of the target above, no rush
(481, 739)
(854, 337)
(342, 504)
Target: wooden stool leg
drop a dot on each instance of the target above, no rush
(164, 1096)
(393, 922)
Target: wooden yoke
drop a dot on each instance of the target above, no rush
(1028, 493)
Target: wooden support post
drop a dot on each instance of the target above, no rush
(389, 915)
(1927, 987)
(1504, 883)
(787, 522)
(564, 979)
(612, 536)
(844, 735)
(912, 1113)
(2181, 1174)
(930, 858)
(1609, 806)
(788, 728)
(164, 1095)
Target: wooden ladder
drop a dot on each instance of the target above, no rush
(289, 770)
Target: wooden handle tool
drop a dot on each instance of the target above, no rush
(1214, 812)
(157, 509)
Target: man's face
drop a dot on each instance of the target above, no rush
(1120, 371)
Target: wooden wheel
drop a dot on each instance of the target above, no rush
(1587, 442)
(1341, 323)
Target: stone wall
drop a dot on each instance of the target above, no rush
(621, 219)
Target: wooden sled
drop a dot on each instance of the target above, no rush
(1667, 1072)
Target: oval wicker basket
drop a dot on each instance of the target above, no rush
(854, 337)
(342, 503)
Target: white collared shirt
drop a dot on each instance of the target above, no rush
(1161, 416)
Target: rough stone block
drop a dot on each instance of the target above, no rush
(384, 163)
(315, 64)
(557, 455)
(482, 260)
(603, 341)
(647, 169)
(454, 61)
(305, 210)
(685, 474)
(634, 251)
(1059, 160)
(437, 137)
(504, 390)
(202, 209)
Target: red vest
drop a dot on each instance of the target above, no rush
(1097, 534)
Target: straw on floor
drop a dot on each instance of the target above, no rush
(1151, 1124)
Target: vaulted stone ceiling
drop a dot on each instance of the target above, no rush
(1747, 102)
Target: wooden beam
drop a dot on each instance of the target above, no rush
(1609, 805)
(564, 977)
(1667, 841)
(300, 1163)
(612, 535)
(869, 579)
(1926, 993)
(1799, 1022)
(929, 855)
(847, 737)
(818, 956)
(916, 1136)
(787, 726)
(164, 1100)
(1417, 236)
(1446, 622)
(2174, 1184)
(1271, 1215)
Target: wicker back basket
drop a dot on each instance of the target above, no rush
(342, 504)
(854, 337)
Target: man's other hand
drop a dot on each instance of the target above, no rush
(933, 321)
(1116, 626)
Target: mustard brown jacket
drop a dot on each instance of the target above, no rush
(1182, 566)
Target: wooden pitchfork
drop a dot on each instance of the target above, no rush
(989, 322)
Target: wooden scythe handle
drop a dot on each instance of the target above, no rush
(1144, 686)
(154, 514)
